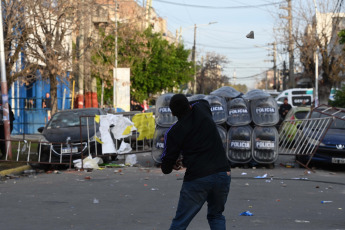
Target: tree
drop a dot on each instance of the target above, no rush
(339, 98)
(15, 40)
(210, 76)
(156, 65)
(331, 61)
(50, 24)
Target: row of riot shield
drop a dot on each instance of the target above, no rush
(245, 124)
(159, 144)
(261, 110)
(242, 143)
(164, 117)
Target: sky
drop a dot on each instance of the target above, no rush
(234, 20)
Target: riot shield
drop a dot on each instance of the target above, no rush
(158, 144)
(196, 97)
(264, 111)
(226, 92)
(239, 149)
(222, 133)
(238, 112)
(164, 117)
(218, 108)
(255, 94)
(265, 144)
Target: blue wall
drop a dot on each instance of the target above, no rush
(29, 118)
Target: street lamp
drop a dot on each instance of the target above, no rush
(194, 51)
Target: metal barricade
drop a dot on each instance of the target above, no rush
(302, 137)
(28, 151)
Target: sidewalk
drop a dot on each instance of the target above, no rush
(17, 170)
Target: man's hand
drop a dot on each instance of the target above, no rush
(178, 165)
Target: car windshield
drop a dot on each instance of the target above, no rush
(337, 123)
(301, 114)
(71, 118)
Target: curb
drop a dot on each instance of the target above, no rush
(17, 170)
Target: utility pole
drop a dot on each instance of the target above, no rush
(291, 49)
(193, 58)
(275, 65)
(316, 57)
(4, 94)
(285, 73)
(291, 44)
(115, 64)
(81, 48)
(194, 55)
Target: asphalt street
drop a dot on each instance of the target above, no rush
(142, 198)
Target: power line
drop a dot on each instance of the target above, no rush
(255, 75)
(220, 7)
(246, 67)
(220, 47)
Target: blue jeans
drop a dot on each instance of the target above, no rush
(214, 189)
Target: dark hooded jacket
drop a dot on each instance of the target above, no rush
(196, 137)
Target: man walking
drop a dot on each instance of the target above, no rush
(207, 179)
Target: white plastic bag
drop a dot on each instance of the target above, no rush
(131, 159)
(124, 148)
(88, 163)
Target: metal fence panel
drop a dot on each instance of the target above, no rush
(31, 151)
(302, 137)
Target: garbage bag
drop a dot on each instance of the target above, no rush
(265, 144)
(164, 117)
(131, 159)
(88, 163)
(240, 144)
(124, 148)
(238, 112)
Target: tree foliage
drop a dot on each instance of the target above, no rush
(339, 98)
(155, 64)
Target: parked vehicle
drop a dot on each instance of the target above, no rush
(296, 97)
(64, 135)
(289, 127)
(332, 147)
